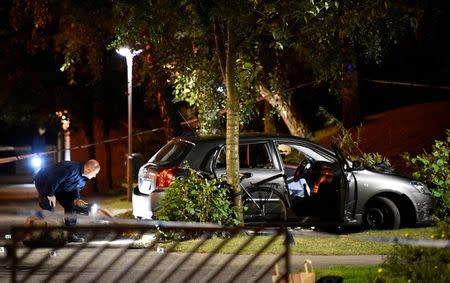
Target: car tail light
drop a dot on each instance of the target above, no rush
(165, 177)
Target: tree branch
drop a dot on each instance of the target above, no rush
(219, 52)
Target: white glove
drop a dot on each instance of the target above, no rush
(52, 200)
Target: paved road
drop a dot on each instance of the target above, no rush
(107, 262)
(134, 263)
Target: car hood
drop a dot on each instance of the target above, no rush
(387, 170)
(382, 179)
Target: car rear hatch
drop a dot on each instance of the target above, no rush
(162, 167)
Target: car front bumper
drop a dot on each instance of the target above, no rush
(425, 207)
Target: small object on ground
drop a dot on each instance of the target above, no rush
(39, 236)
(290, 240)
(330, 279)
(75, 239)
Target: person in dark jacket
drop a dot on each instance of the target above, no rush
(63, 182)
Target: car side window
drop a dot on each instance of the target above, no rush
(291, 158)
(250, 156)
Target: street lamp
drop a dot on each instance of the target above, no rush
(129, 54)
(64, 116)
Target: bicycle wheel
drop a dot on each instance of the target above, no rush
(264, 206)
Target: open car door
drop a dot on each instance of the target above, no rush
(345, 206)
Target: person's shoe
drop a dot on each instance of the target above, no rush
(75, 239)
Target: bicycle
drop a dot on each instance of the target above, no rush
(262, 203)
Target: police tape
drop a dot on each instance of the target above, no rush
(412, 242)
(24, 156)
(30, 155)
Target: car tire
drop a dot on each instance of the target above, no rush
(381, 213)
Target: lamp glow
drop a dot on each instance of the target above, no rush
(36, 162)
(124, 51)
(127, 52)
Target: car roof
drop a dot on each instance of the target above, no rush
(208, 142)
(204, 146)
(253, 136)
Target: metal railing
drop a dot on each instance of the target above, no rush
(132, 251)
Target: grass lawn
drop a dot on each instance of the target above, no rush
(347, 244)
(351, 274)
(315, 244)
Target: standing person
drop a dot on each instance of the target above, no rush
(63, 182)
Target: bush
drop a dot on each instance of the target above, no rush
(348, 142)
(373, 160)
(433, 169)
(418, 264)
(195, 198)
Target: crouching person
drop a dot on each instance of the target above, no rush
(63, 182)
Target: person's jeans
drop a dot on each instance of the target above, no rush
(65, 199)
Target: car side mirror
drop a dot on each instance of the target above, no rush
(357, 165)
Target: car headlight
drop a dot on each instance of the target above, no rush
(420, 187)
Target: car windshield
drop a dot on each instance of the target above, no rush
(172, 152)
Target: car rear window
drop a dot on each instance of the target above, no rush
(172, 152)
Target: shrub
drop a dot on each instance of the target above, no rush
(433, 169)
(375, 159)
(195, 198)
(418, 264)
(348, 142)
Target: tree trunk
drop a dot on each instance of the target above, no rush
(269, 124)
(108, 152)
(348, 86)
(232, 122)
(171, 124)
(162, 93)
(348, 89)
(295, 126)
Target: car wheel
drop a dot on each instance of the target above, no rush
(381, 213)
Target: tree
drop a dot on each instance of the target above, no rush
(334, 36)
(77, 35)
(58, 38)
(331, 38)
(191, 38)
(143, 25)
(227, 26)
(341, 34)
(82, 32)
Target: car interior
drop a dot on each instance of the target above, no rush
(313, 184)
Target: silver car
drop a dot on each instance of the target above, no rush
(320, 186)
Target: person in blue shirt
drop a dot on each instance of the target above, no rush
(63, 182)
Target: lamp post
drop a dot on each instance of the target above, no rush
(64, 116)
(129, 54)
